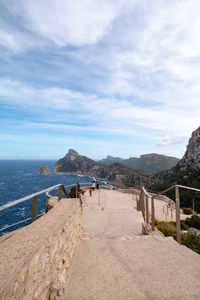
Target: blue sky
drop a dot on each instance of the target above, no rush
(117, 77)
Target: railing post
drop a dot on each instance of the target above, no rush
(147, 210)
(152, 214)
(47, 204)
(139, 201)
(76, 190)
(53, 192)
(34, 209)
(99, 196)
(60, 193)
(143, 205)
(178, 224)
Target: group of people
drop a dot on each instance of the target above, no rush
(95, 184)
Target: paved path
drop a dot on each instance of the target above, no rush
(115, 261)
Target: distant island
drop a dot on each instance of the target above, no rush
(44, 170)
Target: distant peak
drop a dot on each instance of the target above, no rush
(73, 152)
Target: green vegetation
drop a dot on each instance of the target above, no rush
(190, 240)
(188, 178)
(187, 210)
(167, 228)
(194, 221)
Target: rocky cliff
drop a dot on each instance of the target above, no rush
(186, 172)
(191, 158)
(73, 162)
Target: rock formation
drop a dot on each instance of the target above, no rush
(44, 170)
(74, 163)
(191, 158)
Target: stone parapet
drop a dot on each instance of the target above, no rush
(34, 261)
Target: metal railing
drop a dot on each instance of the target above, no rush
(61, 189)
(34, 197)
(143, 206)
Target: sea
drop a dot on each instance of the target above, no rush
(20, 178)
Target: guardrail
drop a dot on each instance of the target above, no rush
(143, 206)
(61, 189)
(34, 198)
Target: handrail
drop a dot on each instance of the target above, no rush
(23, 221)
(146, 193)
(144, 207)
(177, 185)
(35, 202)
(5, 206)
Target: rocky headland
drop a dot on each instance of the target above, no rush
(116, 173)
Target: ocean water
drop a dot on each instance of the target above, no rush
(20, 178)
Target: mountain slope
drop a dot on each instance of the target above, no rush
(110, 160)
(151, 162)
(147, 163)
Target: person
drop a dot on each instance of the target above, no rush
(93, 185)
(90, 191)
(97, 185)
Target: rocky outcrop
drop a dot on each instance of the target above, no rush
(191, 158)
(74, 163)
(186, 172)
(44, 170)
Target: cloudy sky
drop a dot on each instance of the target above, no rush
(118, 77)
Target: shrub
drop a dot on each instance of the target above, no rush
(168, 229)
(184, 226)
(187, 211)
(72, 193)
(192, 241)
(194, 221)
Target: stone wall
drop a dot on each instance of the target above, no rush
(34, 262)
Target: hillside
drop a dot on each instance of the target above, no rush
(110, 160)
(145, 164)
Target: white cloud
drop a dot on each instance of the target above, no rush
(63, 22)
(117, 115)
(172, 140)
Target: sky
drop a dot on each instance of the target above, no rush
(109, 77)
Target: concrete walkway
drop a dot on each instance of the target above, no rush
(115, 261)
